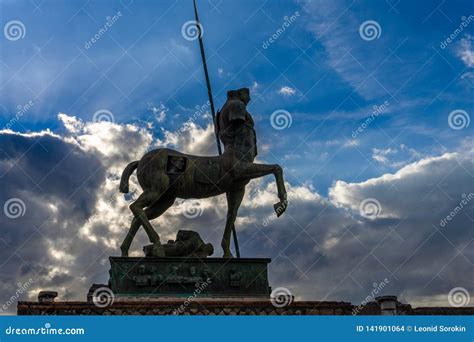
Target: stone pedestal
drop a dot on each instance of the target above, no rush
(217, 306)
(182, 277)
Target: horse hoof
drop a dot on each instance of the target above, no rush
(280, 208)
(228, 255)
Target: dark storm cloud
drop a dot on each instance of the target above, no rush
(340, 254)
(56, 181)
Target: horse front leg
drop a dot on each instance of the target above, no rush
(234, 199)
(254, 170)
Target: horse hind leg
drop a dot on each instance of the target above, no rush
(152, 212)
(146, 199)
(125, 246)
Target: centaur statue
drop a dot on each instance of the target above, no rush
(165, 174)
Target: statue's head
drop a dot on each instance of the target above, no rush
(242, 94)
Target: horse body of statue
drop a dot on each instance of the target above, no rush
(165, 174)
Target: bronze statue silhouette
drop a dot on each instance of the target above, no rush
(165, 174)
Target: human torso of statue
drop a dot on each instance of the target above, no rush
(236, 130)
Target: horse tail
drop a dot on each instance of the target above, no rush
(126, 175)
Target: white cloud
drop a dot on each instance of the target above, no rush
(109, 140)
(351, 143)
(380, 155)
(395, 157)
(286, 91)
(254, 86)
(192, 139)
(406, 193)
(159, 112)
(466, 52)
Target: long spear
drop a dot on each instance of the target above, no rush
(208, 82)
(211, 101)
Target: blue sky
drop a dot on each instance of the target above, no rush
(405, 91)
(337, 77)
